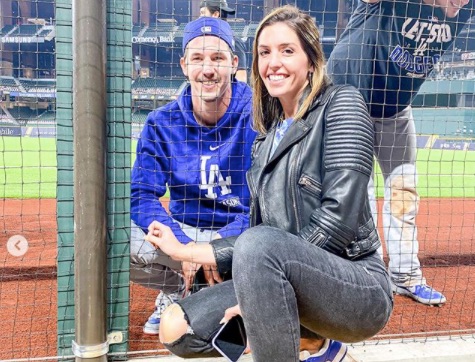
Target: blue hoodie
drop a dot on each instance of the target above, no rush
(204, 168)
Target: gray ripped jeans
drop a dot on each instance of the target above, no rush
(288, 288)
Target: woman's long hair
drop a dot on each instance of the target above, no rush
(267, 109)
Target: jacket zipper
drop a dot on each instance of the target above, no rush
(253, 191)
(311, 184)
(293, 188)
(259, 192)
(262, 207)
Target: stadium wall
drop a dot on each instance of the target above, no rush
(454, 115)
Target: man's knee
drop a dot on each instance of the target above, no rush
(141, 251)
(173, 324)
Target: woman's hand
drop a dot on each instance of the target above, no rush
(232, 312)
(163, 238)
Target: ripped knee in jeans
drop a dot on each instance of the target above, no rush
(191, 346)
(173, 324)
(178, 337)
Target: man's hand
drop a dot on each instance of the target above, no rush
(189, 272)
(212, 275)
(210, 272)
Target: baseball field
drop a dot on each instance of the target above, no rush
(28, 288)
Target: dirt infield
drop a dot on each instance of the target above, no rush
(28, 295)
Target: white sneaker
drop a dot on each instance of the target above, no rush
(422, 293)
(161, 303)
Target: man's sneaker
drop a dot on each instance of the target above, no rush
(161, 303)
(332, 351)
(421, 293)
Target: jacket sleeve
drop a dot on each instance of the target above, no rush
(223, 250)
(149, 178)
(347, 162)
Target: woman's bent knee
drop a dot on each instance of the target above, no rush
(172, 324)
(179, 338)
(256, 244)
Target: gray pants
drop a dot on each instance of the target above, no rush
(288, 288)
(395, 150)
(152, 268)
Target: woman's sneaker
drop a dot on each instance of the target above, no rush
(421, 293)
(332, 351)
(161, 303)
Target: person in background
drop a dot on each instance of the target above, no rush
(306, 275)
(220, 9)
(387, 50)
(198, 148)
(137, 66)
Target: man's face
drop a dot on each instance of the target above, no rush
(209, 64)
(451, 8)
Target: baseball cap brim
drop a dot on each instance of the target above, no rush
(222, 5)
(228, 10)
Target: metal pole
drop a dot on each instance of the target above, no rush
(89, 126)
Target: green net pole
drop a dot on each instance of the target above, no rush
(118, 66)
(119, 72)
(89, 129)
(64, 131)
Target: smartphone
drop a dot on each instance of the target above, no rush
(231, 339)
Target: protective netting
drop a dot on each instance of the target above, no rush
(398, 53)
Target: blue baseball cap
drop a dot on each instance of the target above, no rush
(208, 26)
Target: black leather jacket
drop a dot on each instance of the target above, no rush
(315, 183)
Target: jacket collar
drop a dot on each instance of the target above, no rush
(299, 128)
(296, 132)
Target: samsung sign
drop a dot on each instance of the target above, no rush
(34, 94)
(152, 39)
(22, 39)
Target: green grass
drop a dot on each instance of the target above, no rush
(442, 173)
(28, 170)
(27, 167)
